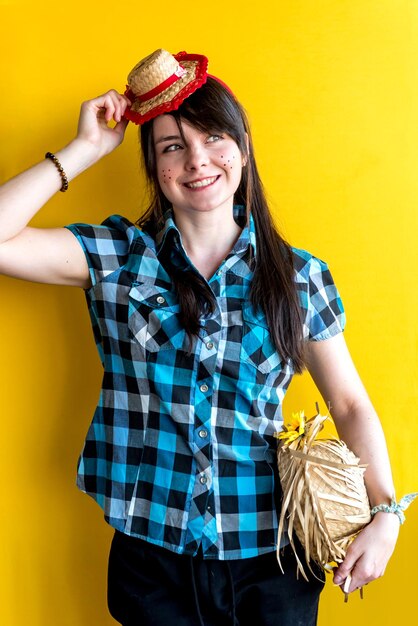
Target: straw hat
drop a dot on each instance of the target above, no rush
(325, 500)
(160, 82)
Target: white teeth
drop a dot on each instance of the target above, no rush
(201, 183)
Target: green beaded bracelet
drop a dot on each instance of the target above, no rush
(395, 507)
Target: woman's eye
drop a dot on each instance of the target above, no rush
(172, 147)
(214, 138)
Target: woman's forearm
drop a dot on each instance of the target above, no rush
(24, 195)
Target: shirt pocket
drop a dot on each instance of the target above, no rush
(153, 318)
(257, 347)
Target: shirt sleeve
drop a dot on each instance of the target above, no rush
(106, 246)
(321, 303)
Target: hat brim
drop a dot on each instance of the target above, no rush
(171, 98)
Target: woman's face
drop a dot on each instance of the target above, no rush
(200, 173)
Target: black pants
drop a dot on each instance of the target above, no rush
(152, 586)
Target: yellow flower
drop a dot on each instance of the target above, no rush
(297, 422)
(294, 428)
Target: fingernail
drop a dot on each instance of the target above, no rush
(338, 580)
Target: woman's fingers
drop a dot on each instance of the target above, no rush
(344, 570)
(362, 573)
(116, 105)
(121, 126)
(109, 105)
(122, 104)
(368, 555)
(95, 119)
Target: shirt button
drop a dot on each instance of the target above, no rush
(209, 345)
(204, 387)
(160, 300)
(203, 480)
(203, 433)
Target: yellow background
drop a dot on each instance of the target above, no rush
(331, 88)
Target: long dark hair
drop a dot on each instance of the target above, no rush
(212, 108)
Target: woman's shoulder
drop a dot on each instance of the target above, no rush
(319, 297)
(114, 229)
(306, 264)
(112, 245)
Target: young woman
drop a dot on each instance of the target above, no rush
(201, 317)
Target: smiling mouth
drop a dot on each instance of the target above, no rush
(199, 184)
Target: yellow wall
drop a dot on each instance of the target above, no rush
(331, 90)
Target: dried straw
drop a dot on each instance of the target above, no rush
(324, 496)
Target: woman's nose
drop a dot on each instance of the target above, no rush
(196, 157)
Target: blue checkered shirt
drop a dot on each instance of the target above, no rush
(181, 450)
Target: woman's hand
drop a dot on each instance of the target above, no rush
(370, 552)
(95, 116)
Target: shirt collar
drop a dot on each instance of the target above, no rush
(247, 237)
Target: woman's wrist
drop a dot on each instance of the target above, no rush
(77, 157)
(394, 508)
(386, 518)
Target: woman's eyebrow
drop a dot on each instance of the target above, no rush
(168, 138)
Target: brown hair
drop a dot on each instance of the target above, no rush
(212, 108)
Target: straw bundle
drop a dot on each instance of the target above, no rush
(324, 496)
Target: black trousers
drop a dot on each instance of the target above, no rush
(152, 586)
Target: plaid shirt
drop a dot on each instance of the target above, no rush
(181, 449)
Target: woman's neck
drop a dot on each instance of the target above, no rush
(208, 238)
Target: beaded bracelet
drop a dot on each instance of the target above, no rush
(395, 507)
(60, 169)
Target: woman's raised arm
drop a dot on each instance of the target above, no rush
(53, 255)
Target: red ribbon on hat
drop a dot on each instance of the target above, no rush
(179, 73)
